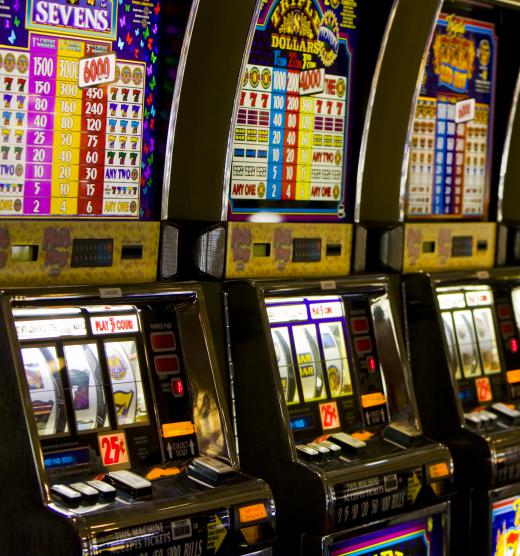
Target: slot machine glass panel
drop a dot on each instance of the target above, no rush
(331, 374)
(469, 326)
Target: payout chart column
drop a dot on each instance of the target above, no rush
(67, 129)
(40, 137)
(93, 139)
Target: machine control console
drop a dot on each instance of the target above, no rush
(336, 444)
(481, 419)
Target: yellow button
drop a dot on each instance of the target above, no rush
(513, 376)
(371, 400)
(439, 470)
(254, 512)
(183, 428)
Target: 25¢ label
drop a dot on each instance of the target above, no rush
(113, 450)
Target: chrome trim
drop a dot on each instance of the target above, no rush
(175, 105)
(507, 147)
(30, 422)
(406, 157)
(370, 107)
(231, 137)
(514, 3)
(231, 372)
(229, 449)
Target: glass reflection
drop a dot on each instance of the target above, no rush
(127, 386)
(86, 385)
(45, 389)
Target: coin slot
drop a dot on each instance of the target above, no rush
(333, 250)
(131, 252)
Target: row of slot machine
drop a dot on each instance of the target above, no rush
(258, 283)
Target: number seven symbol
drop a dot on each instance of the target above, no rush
(122, 401)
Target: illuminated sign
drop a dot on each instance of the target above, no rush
(465, 111)
(449, 166)
(451, 301)
(94, 18)
(47, 328)
(505, 533)
(98, 70)
(421, 537)
(113, 449)
(289, 150)
(329, 416)
(286, 313)
(484, 392)
(78, 85)
(326, 310)
(253, 512)
(117, 324)
(478, 298)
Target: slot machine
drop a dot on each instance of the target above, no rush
(117, 436)
(321, 392)
(334, 427)
(437, 225)
(116, 414)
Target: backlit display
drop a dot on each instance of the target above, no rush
(505, 531)
(450, 151)
(78, 86)
(291, 130)
(419, 537)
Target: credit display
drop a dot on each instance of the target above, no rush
(289, 150)
(419, 537)
(78, 85)
(505, 528)
(450, 150)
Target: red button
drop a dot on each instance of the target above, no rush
(507, 328)
(363, 345)
(503, 311)
(360, 325)
(162, 341)
(177, 387)
(165, 364)
(371, 363)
